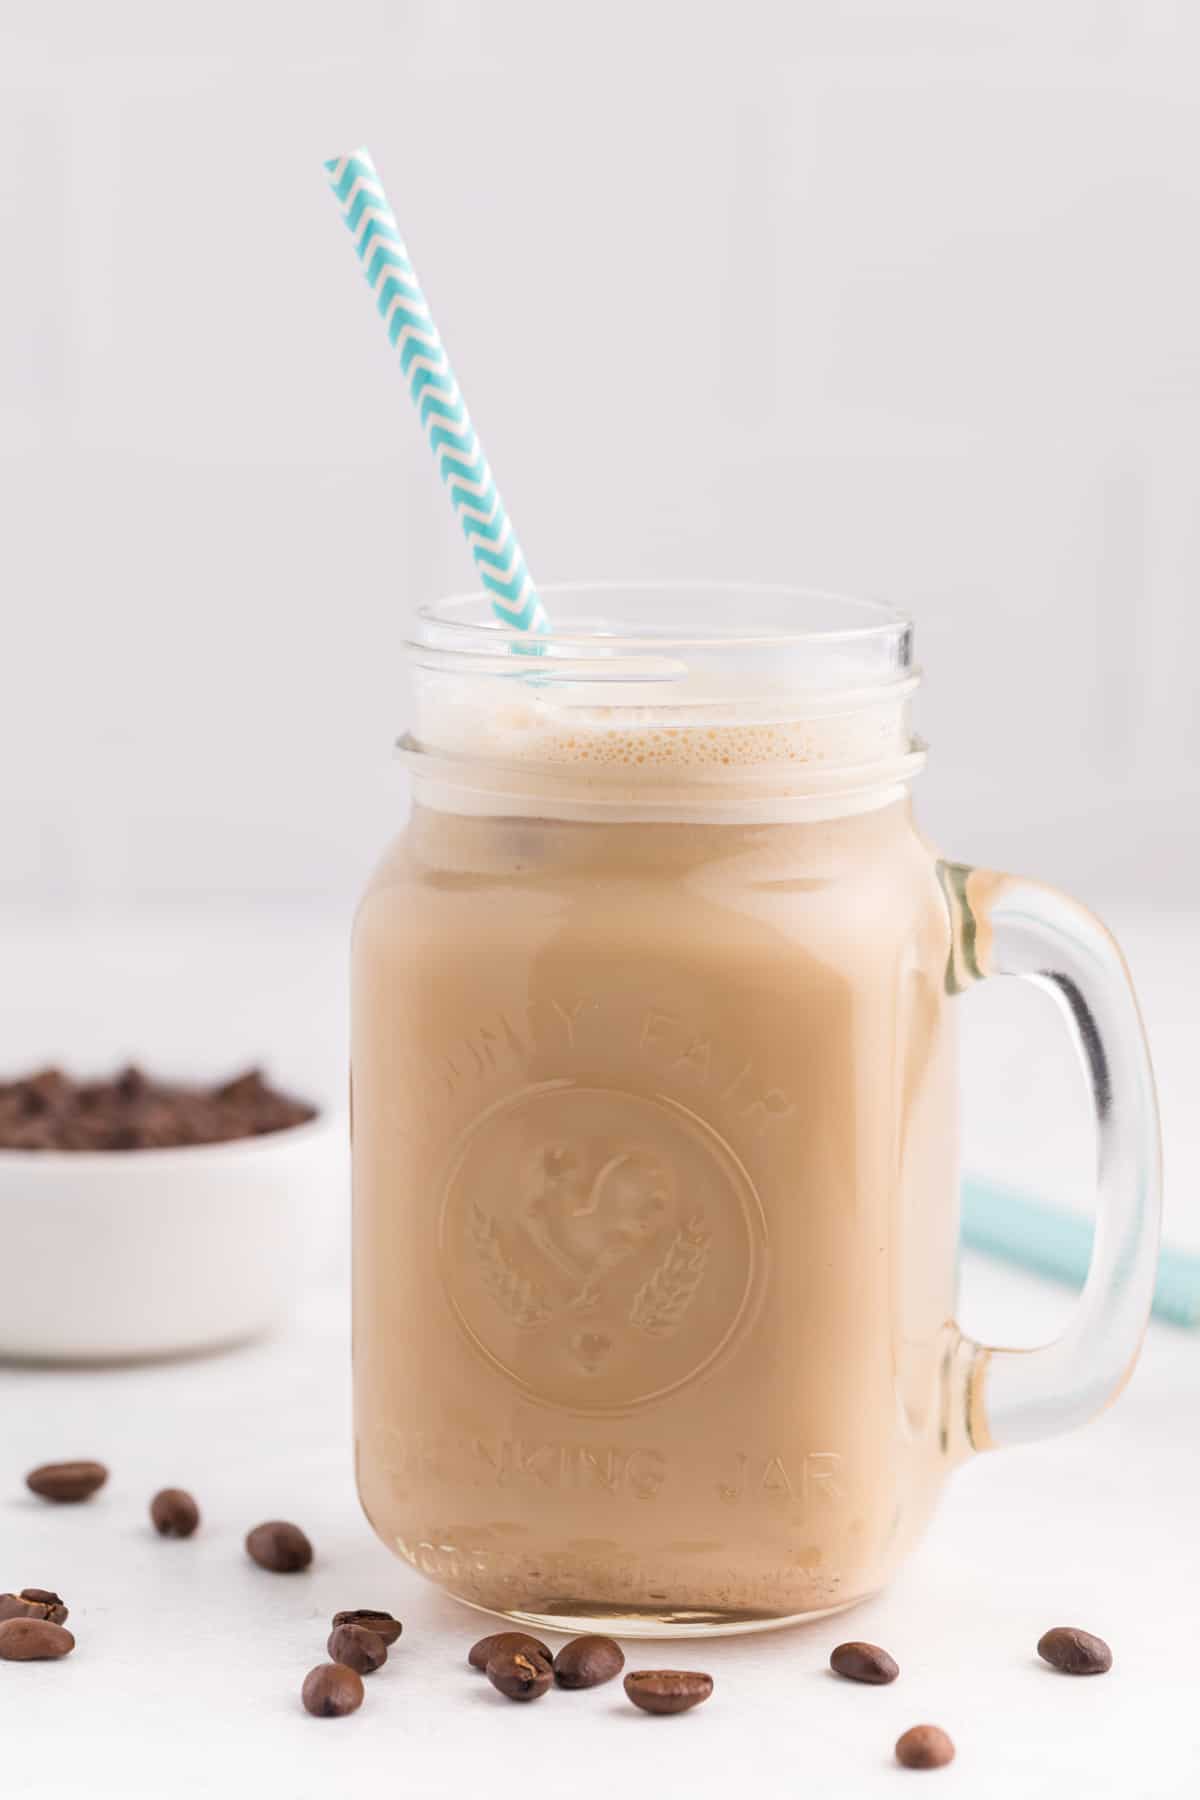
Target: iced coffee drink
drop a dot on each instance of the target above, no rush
(655, 1134)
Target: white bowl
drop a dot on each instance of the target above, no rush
(137, 1253)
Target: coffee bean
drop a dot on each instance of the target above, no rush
(278, 1546)
(381, 1623)
(174, 1512)
(132, 1111)
(519, 1674)
(332, 1690)
(480, 1654)
(667, 1690)
(33, 1603)
(864, 1662)
(360, 1649)
(924, 1747)
(1075, 1652)
(67, 1481)
(587, 1661)
(33, 1640)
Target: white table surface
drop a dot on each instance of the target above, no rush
(187, 1673)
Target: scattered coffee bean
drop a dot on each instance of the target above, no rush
(864, 1662)
(33, 1640)
(924, 1747)
(332, 1690)
(480, 1654)
(33, 1603)
(519, 1674)
(381, 1623)
(667, 1690)
(175, 1513)
(278, 1546)
(1075, 1652)
(587, 1661)
(67, 1481)
(361, 1650)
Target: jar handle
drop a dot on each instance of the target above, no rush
(1006, 926)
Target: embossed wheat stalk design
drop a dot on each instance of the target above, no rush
(511, 1290)
(660, 1303)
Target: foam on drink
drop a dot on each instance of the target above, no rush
(647, 742)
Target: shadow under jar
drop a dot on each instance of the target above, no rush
(655, 1141)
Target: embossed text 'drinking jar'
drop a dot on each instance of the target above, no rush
(654, 1097)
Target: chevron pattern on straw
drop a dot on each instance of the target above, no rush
(413, 334)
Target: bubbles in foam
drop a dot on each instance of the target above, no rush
(678, 734)
(692, 749)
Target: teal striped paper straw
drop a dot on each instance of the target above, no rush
(1053, 1241)
(452, 437)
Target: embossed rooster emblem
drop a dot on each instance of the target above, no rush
(590, 1212)
(589, 1227)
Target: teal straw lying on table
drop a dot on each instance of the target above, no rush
(1052, 1241)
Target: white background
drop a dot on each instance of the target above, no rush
(898, 298)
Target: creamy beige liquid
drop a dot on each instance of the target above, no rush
(655, 1211)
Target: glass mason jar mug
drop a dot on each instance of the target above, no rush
(654, 1100)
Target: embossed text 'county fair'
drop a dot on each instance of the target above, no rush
(495, 1045)
(688, 1058)
(667, 1043)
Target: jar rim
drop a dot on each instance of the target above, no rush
(633, 616)
(667, 694)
